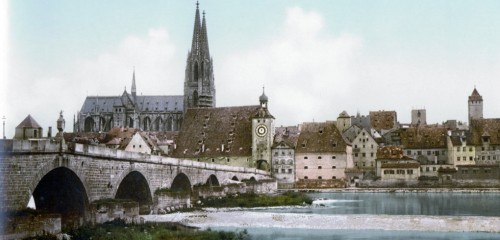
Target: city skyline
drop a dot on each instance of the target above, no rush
(315, 59)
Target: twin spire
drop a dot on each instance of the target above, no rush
(200, 39)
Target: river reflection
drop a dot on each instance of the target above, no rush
(435, 204)
(296, 234)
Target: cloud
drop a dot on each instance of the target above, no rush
(43, 94)
(305, 71)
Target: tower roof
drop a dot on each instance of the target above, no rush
(29, 122)
(475, 96)
(344, 114)
(199, 45)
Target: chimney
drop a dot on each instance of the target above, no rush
(49, 133)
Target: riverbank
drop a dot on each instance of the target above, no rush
(249, 219)
(398, 190)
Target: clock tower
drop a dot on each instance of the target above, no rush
(262, 135)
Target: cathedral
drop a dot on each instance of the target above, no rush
(155, 113)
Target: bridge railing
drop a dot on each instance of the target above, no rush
(109, 153)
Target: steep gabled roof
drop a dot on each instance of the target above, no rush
(489, 128)
(320, 137)
(383, 120)
(29, 122)
(205, 130)
(424, 137)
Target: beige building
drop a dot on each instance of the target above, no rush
(322, 152)
(392, 164)
(364, 149)
(28, 129)
(485, 137)
(460, 152)
(283, 154)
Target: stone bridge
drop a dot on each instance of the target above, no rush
(66, 179)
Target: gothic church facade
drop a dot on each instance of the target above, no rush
(155, 113)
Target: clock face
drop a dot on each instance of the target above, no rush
(261, 130)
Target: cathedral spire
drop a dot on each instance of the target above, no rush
(133, 89)
(199, 87)
(204, 38)
(195, 47)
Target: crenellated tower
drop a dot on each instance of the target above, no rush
(199, 87)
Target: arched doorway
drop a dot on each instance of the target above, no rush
(135, 187)
(61, 191)
(262, 165)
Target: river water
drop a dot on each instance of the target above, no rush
(432, 204)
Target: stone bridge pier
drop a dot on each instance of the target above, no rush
(68, 182)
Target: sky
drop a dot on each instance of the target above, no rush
(315, 58)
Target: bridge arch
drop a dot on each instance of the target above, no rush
(62, 191)
(235, 178)
(181, 182)
(134, 186)
(212, 181)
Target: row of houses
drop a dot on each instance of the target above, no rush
(311, 154)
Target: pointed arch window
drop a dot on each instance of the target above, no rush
(195, 72)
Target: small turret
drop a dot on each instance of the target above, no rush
(263, 99)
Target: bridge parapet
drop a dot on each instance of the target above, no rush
(49, 146)
(109, 153)
(29, 146)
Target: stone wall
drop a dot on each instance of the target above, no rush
(104, 211)
(30, 225)
(316, 183)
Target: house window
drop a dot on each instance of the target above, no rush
(213, 160)
(333, 167)
(408, 152)
(289, 170)
(428, 153)
(471, 158)
(334, 177)
(409, 171)
(305, 167)
(464, 158)
(458, 149)
(355, 146)
(356, 154)
(458, 158)
(371, 154)
(282, 170)
(305, 177)
(464, 148)
(319, 167)
(319, 177)
(464, 171)
(305, 157)
(400, 172)
(319, 157)
(363, 164)
(470, 149)
(333, 157)
(363, 154)
(276, 170)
